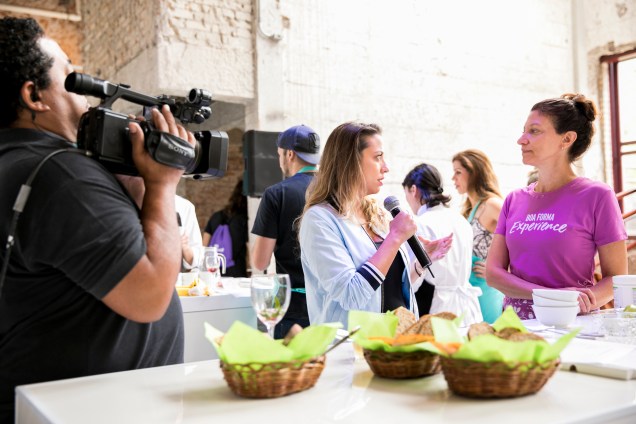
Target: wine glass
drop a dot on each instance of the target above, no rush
(270, 298)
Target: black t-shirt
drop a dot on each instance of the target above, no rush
(78, 236)
(392, 287)
(280, 205)
(238, 234)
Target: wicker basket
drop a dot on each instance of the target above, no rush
(496, 379)
(257, 380)
(402, 364)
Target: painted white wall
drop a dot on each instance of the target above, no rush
(438, 76)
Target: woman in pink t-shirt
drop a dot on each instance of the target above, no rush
(549, 232)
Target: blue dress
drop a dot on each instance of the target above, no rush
(491, 300)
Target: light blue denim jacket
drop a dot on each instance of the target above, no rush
(338, 278)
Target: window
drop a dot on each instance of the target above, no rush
(621, 69)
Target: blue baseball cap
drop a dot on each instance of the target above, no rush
(302, 140)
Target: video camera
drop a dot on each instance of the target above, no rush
(104, 133)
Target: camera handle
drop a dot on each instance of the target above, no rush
(169, 149)
(20, 203)
(108, 92)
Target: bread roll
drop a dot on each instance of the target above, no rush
(478, 329)
(406, 318)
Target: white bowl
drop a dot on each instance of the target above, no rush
(624, 279)
(544, 301)
(555, 294)
(558, 316)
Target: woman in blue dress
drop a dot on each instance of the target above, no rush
(474, 176)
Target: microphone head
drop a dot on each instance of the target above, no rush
(391, 203)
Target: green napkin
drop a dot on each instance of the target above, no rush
(490, 348)
(447, 331)
(244, 344)
(373, 324)
(509, 318)
(313, 340)
(485, 348)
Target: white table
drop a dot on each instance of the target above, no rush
(605, 356)
(347, 392)
(220, 310)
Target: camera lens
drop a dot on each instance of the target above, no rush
(85, 84)
(198, 154)
(199, 96)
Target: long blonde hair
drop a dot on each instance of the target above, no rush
(481, 176)
(340, 179)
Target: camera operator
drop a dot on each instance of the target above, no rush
(90, 282)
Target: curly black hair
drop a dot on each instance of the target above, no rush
(21, 60)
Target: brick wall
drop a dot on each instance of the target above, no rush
(211, 196)
(208, 43)
(116, 32)
(206, 23)
(66, 6)
(66, 32)
(170, 46)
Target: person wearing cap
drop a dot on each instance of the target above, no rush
(280, 206)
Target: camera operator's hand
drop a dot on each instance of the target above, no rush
(144, 294)
(149, 169)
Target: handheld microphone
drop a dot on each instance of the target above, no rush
(392, 204)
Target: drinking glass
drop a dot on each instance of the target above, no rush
(270, 298)
(214, 263)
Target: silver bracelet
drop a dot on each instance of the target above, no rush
(419, 274)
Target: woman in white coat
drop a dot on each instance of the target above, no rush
(450, 289)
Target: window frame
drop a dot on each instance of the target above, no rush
(617, 143)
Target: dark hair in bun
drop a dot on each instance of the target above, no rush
(429, 181)
(571, 112)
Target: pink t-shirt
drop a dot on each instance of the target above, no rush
(552, 237)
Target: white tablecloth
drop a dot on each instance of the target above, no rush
(347, 391)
